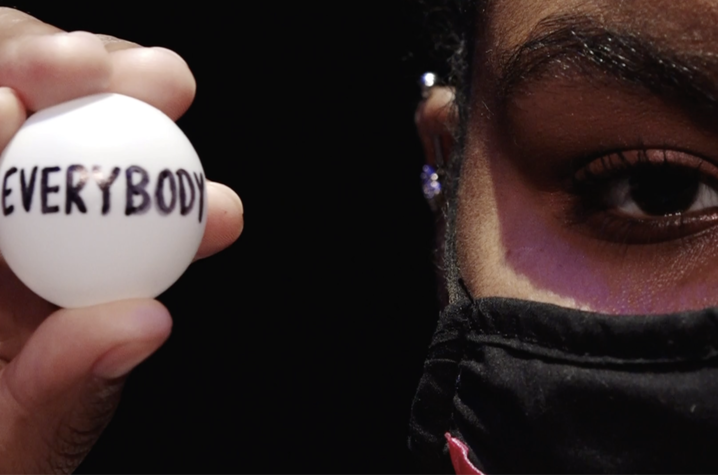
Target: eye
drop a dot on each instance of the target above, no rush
(655, 191)
(648, 196)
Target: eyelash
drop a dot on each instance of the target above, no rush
(592, 183)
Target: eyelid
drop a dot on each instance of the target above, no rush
(612, 163)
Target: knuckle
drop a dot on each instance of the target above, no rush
(81, 428)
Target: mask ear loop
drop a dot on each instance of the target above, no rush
(466, 295)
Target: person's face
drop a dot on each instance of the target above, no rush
(590, 177)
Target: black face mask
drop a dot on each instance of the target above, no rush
(531, 387)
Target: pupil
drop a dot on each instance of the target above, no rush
(664, 190)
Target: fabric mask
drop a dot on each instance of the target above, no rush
(530, 387)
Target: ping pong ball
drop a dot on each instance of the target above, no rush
(103, 198)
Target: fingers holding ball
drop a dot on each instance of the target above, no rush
(47, 66)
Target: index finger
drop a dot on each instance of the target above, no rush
(46, 66)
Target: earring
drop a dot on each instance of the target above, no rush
(430, 186)
(430, 176)
(427, 81)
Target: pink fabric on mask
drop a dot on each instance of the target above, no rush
(460, 457)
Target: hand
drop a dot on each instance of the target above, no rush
(61, 371)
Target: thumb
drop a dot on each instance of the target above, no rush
(60, 392)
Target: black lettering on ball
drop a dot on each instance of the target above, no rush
(105, 184)
(200, 184)
(185, 206)
(164, 208)
(46, 190)
(27, 189)
(137, 189)
(5, 192)
(72, 190)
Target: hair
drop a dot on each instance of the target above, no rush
(455, 25)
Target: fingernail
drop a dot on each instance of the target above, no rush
(229, 194)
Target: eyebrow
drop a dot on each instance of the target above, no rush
(687, 78)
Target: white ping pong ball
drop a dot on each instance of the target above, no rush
(102, 198)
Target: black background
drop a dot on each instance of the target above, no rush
(299, 348)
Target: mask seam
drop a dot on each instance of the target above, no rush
(578, 357)
(482, 307)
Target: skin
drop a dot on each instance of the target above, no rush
(61, 371)
(516, 235)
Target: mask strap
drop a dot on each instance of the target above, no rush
(465, 296)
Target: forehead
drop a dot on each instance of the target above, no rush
(682, 24)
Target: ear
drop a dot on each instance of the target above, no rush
(436, 120)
